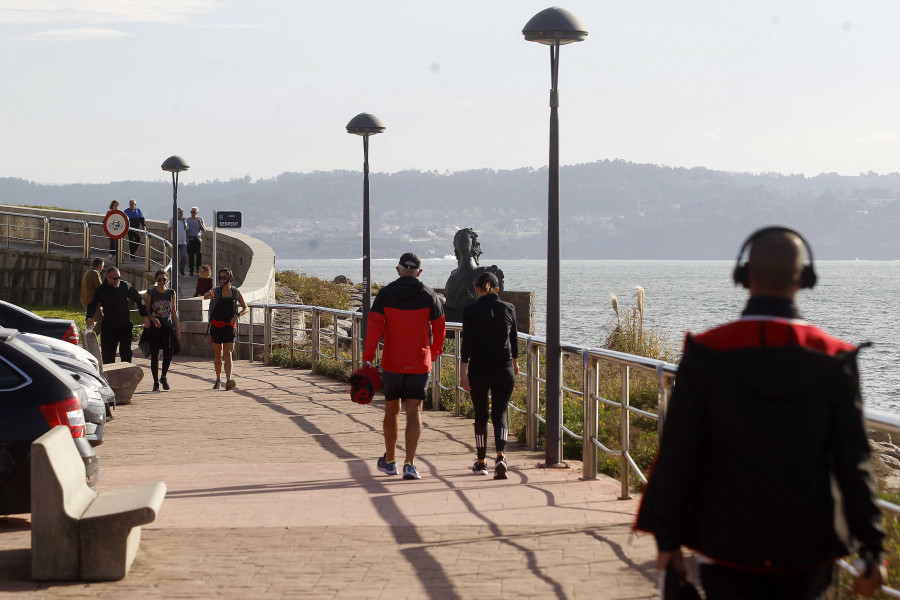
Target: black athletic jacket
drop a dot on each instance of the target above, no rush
(114, 301)
(489, 336)
(764, 462)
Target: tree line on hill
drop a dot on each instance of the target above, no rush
(610, 209)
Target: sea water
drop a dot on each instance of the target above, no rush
(855, 300)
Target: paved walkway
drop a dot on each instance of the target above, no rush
(273, 493)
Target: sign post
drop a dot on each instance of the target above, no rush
(115, 226)
(226, 219)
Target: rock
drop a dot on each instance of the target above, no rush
(123, 378)
(342, 279)
(879, 436)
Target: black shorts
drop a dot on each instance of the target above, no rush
(221, 335)
(408, 386)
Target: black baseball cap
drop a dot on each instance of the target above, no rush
(486, 277)
(410, 260)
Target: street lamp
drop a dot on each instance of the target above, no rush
(365, 125)
(553, 27)
(175, 165)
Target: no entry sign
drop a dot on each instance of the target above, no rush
(115, 224)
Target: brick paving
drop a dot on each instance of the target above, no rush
(273, 492)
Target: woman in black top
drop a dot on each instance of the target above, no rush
(223, 317)
(163, 331)
(489, 350)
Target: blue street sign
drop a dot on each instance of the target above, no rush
(230, 219)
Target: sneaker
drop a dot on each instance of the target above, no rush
(410, 472)
(155, 387)
(388, 468)
(217, 384)
(500, 468)
(165, 384)
(479, 468)
(230, 384)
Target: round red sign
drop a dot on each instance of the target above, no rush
(115, 224)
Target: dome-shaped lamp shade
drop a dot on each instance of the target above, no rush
(365, 124)
(175, 164)
(554, 24)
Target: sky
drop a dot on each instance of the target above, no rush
(104, 90)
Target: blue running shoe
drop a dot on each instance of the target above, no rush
(388, 468)
(409, 472)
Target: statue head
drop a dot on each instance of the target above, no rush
(465, 243)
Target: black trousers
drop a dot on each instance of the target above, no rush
(114, 337)
(161, 339)
(133, 242)
(721, 583)
(499, 383)
(193, 250)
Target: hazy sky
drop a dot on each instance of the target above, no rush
(105, 90)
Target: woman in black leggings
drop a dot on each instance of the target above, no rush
(489, 350)
(163, 329)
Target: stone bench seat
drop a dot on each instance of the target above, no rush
(76, 532)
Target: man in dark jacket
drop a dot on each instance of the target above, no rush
(763, 467)
(135, 222)
(115, 329)
(410, 318)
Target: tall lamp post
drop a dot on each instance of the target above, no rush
(175, 165)
(365, 125)
(553, 27)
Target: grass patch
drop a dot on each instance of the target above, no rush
(314, 291)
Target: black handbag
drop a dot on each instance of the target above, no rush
(144, 342)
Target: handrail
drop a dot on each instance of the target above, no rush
(158, 254)
(591, 359)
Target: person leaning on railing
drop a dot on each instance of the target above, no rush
(763, 468)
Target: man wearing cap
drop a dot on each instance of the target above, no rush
(490, 346)
(410, 318)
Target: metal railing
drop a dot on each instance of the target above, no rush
(592, 360)
(53, 235)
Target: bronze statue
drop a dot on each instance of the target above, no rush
(460, 288)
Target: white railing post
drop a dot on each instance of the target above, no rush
(315, 338)
(531, 392)
(626, 432)
(436, 383)
(589, 416)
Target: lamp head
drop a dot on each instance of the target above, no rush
(365, 124)
(175, 164)
(553, 25)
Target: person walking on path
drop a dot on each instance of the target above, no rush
(114, 205)
(115, 328)
(195, 229)
(410, 318)
(163, 332)
(181, 229)
(135, 222)
(223, 318)
(204, 280)
(490, 347)
(91, 281)
(763, 468)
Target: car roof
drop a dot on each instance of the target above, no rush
(59, 345)
(10, 338)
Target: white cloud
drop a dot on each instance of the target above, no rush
(35, 12)
(710, 134)
(879, 138)
(464, 103)
(76, 35)
(230, 26)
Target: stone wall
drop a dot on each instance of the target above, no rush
(38, 278)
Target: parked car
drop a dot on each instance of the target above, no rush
(15, 317)
(35, 395)
(48, 345)
(100, 396)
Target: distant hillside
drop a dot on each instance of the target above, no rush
(610, 210)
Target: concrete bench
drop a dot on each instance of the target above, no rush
(77, 533)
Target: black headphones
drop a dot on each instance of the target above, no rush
(741, 274)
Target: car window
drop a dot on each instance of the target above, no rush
(10, 377)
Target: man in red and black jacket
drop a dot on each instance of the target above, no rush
(410, 318)
(763, 467)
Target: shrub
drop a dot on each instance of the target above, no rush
(314, 291)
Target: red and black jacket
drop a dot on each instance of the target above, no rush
(764, 461)
(410, 318)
